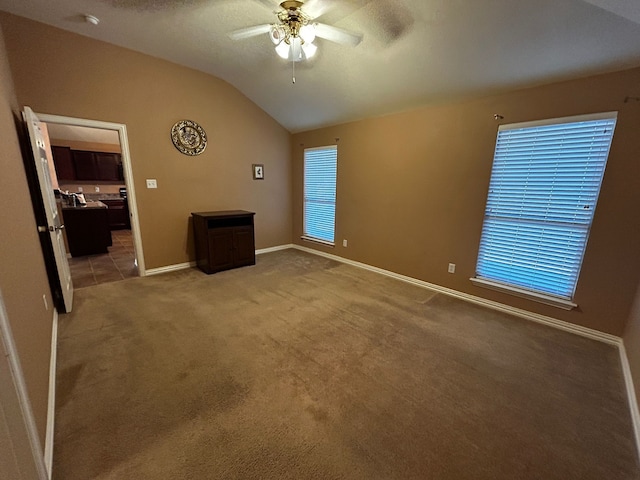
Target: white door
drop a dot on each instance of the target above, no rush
(54, 222)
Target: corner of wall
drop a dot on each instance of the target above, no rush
(630, 357)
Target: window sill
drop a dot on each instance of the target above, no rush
(520, 292)
(317, 240)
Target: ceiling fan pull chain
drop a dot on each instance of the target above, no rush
(293, 71)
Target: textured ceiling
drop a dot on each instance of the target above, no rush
(414, 51)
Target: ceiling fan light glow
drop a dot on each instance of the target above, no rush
(309, 49)
(282, 49)
(308, 33)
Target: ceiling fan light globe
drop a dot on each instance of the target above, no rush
(309, 50)
(308, 33)
(277, 34)
(282, 49)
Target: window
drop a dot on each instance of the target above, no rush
(320, 172)
(544, 187)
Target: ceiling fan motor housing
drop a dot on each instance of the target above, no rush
(291, 4)
(293, 17)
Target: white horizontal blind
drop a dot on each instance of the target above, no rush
(320, 174)
(542, 196)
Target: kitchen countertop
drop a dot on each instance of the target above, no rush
(91, 204)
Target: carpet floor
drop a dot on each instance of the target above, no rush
(303, 368)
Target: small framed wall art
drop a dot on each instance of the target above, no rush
(258, 171)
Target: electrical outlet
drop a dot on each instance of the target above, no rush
(344, 242)
(80, 189)
(452, 268)
(152, 183)
(97, 189)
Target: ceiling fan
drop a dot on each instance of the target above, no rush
(294, 33)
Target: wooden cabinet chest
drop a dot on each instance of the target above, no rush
(224, 240)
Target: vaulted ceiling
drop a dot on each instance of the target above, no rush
(413, 52)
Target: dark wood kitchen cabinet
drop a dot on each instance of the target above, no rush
(109, 166)
(63, 162)
(118, 213)
(224, 240)
(97, 166)
(86, 166)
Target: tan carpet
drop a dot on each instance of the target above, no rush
(303, 368)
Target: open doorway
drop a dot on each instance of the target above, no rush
(92, 167)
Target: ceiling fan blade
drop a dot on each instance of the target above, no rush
(317, 8)
(337, 35)
(272, 5)
(249, 32)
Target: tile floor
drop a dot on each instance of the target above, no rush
(116, 265)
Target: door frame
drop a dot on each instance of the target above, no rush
(121, 128)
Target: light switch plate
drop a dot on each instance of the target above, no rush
(152, 183)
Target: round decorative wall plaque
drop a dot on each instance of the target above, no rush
(189, 137)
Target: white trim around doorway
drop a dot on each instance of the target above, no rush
(128, 172)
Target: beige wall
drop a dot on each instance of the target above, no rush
(412, 189)
(632, 343)
(61, 73)
(23, 278)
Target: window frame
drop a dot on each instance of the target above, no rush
(305, 201)
(561, 301)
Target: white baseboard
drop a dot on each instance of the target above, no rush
(274, 249)
(631, 394)
(51, 407)
(169, 268)
(182, 266)
(534, 317)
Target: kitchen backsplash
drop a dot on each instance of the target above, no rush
(102, 196)
(89, 190)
